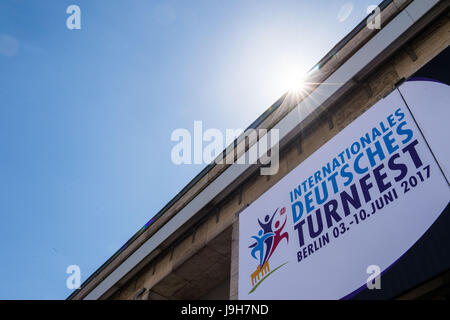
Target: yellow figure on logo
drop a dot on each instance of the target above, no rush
(260, 272)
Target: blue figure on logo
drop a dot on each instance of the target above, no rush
(259, 245)
(267, 228)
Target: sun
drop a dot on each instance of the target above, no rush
(293, 80)
(297, 84)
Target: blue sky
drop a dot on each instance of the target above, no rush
(86, 115)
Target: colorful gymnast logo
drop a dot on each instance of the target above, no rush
(269, 236)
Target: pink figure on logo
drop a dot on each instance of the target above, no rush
(278, 232)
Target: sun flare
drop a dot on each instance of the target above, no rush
(293, 80)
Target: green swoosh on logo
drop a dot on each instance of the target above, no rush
(256, 285)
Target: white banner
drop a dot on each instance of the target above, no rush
(362, 199)
(429, 101)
